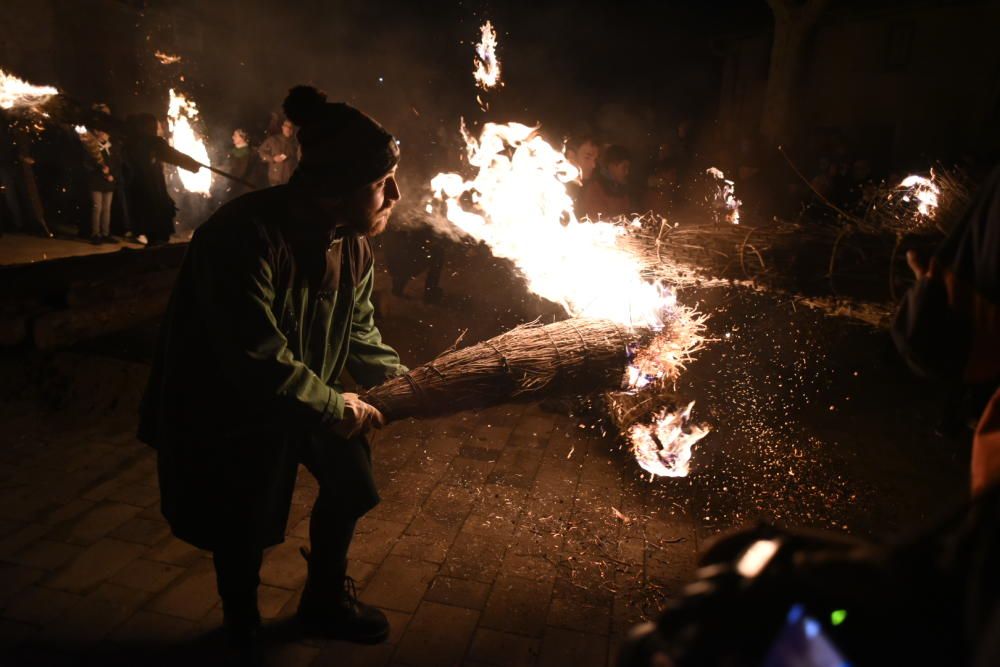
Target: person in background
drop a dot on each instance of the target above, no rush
(241, 162)
(582, 153)
(274, 120)
(281, 154)
(10, 206)
(150, 206)
(103, 174)
(661, 191)
(17, 179)
(607, 193)
(948, 323)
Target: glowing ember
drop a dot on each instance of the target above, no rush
(487, 72)
(922, 190)
(517, 204)
(663, 448)
(18, 93)
(724, 201)
(181, 115)
(166, 58)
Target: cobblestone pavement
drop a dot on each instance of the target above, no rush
(497, 542)
(506, 536)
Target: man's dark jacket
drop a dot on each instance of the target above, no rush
(264, 317)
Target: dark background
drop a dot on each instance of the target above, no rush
(903, 84)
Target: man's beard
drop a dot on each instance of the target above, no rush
(377, 224)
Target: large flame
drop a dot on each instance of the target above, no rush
(517, 204)
(487, 67)
(181, 114)
(18, 93)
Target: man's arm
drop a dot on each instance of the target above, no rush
(266, 150)
(369, 361)
(236, 296)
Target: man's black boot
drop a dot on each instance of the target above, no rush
(241, 625)
(330, 608)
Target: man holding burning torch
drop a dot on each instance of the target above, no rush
(272, 303)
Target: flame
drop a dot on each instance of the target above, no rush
(487, 71)
(181, 113)
(924, 190)
(18, 93)
(724, 201)
(166, 58)
(525, 214)
(517, 203)
(664, 448)
(81, 129)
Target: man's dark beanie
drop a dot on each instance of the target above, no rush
(342, 148)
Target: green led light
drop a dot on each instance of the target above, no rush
(838, 616)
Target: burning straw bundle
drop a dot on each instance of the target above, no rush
(919, 205)
(584, 353)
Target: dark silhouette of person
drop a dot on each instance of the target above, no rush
(150, 207)
(607, 193)
(272, 303)
(18, 185)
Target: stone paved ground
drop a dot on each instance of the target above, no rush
(18, 248)
(497, 543)
(506, 536)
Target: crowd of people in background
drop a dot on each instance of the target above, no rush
(668, 176)
(105, 187)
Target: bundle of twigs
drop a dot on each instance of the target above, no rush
(581, 354)
(629, 407)
(918, 205)
(842, 269)
(722, 250)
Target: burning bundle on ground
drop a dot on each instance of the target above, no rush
(850, 265)
(918, 204)
(626, 329)
(582, 354)
(517, 203)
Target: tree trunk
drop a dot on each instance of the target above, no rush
(793, 25)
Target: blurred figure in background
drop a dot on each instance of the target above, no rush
(281, 154)
(242, 162)
(582, 152)
(150, 207)
(948, 324)
(22, 205)
(103, 174)
(607, 193)
(10, 205)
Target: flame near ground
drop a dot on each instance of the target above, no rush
(517, 203)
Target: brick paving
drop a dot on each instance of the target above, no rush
(505, 536)
(495, 544)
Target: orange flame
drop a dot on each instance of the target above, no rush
(166, 58)
(487, 67)
(181, 115)
(18, 93)
(664, 448)
(517, 203)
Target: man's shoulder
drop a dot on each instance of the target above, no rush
(362, 257)
(252, 215)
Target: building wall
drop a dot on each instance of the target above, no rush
(86, 48)
(913, 82)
